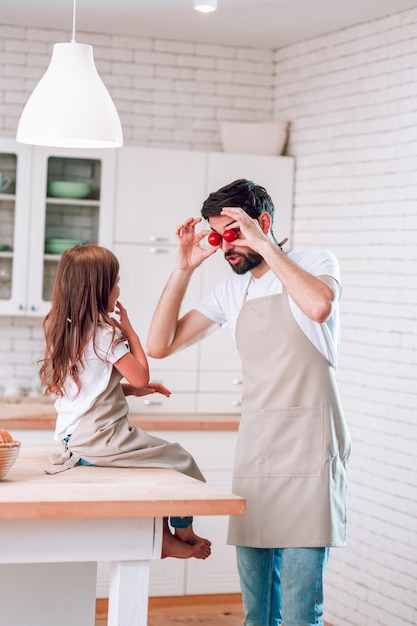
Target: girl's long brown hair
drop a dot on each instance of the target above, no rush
(80, 295)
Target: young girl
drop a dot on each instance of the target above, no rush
(87, 353)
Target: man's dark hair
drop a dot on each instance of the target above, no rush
(252, 198)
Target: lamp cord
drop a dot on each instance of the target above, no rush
(73, 20)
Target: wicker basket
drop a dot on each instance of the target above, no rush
(8, 456)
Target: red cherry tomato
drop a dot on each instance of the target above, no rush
(214, 239)
(229, 235)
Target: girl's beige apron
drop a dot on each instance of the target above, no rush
(104, 437)
(293, 443)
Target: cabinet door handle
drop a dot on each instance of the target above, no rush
(157, 238)
(236, 403)
(236, 381)
(151, 403)
(34, 307)
(22, 307)
(158, 250)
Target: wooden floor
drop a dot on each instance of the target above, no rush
(215, 610)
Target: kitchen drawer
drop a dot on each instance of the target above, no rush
(229, 382)
(157, 403)
(219, 402)
(184, 381)
(183, 387)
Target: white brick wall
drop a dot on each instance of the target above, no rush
(168, 94)
(352, 99)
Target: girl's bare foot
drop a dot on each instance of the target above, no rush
(188, 535)
(175, 547)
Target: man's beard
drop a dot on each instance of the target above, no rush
(248, 261)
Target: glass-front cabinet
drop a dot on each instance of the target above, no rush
(50, 199)
(15, 197)
(8, 164)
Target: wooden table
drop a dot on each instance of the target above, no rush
(55, 528)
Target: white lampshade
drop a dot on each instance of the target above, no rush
(205, 6)
(70, 106)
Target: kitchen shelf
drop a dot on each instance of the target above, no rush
(72, 202)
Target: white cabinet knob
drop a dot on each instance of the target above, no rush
(157, 238)
(236, 381)
(158, 250)
(151, 403)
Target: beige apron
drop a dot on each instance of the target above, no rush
(104, 437)
(293, 443)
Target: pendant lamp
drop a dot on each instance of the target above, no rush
(71, 107)
(205, 6)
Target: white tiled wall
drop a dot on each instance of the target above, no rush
(352, 99)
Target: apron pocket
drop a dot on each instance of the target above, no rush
(281, 442)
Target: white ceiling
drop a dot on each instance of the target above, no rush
(254, 23)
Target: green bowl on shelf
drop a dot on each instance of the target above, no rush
(59, 245)
(69, 189)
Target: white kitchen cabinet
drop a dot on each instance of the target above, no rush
(156, 190)
(32, 217)
(143, 273)
(15, 166)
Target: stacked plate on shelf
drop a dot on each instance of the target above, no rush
(69, 189)
(58, 245)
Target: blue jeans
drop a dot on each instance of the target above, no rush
(180, 522)
(282, 585)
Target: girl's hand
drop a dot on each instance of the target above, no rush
(189, 252)
(151, 388)
(123, 322)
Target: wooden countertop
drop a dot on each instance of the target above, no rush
(26, 492)
(39, 414)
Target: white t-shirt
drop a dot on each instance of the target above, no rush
(224, 302)
(94, 376)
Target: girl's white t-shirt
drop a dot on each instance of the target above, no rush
(94, 374)
(224, 302)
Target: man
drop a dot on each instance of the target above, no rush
(293, 443)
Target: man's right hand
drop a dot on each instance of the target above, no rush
(190, 254)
